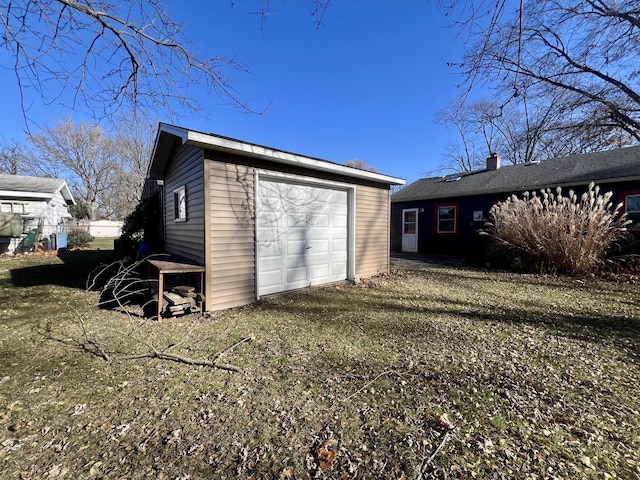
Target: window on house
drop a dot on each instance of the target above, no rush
(632, 207)
(447, 219)
(410, 222)
(12, 207)
(180, 204)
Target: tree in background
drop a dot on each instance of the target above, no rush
(522, 130)
(566, 70)
(79, 210)
(579, 56)
(12, 159)
(133, 148)
(476, 134)
(106, 172)
(361, 165)
(107, 55)
(83, 155)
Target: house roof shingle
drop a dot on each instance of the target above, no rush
(25, 186)
(600, 167)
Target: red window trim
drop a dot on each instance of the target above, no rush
(455, 222)
(623, 199)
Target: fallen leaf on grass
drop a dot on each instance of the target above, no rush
(57, 471)
(327, 454)
(79, 409)
(95, 469)
(486, 445)
(287, 474)
(443, 421)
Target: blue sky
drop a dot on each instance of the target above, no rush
(365, 85)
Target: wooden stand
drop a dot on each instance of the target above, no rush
(167, 267)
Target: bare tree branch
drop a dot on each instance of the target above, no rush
(582, 52)
(122, 282)
(181, 359)
(105, 55)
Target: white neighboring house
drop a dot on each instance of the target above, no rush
(40, 203)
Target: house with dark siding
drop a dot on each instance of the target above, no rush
(443, 215)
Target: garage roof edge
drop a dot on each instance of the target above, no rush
(161, 154)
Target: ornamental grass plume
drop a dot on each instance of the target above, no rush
(554, 233)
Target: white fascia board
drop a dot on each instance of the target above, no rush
(220, 143)
(180, 132)
(14, 194)
(65, 192)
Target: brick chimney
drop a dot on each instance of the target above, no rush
(493, 161)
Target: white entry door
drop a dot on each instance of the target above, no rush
(410, 230)
(301, 235)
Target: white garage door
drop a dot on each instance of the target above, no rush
(302, 236)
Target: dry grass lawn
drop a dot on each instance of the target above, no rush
(435, 373)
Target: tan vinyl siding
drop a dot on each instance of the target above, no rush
(186, 239)
(372, 231)
(231, 249)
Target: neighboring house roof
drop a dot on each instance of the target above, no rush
(168, 135)
(609, 166)
(18, 186)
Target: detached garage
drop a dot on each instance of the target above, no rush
(264, 221)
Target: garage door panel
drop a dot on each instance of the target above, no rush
(319, 221)
(297, 276)
(302, 232)
(339, 221)
(320, 274)
(339, 270)
(319, 246)
(296, 220)
(296, 248)
(295, 234)
(271, 250)
(266, 220)
(338, 244)
(271, 278)
(340, 210)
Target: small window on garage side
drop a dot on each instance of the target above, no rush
(446, 218)
(180, 204)
(632, 207)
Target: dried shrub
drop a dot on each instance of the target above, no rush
(554, 233)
